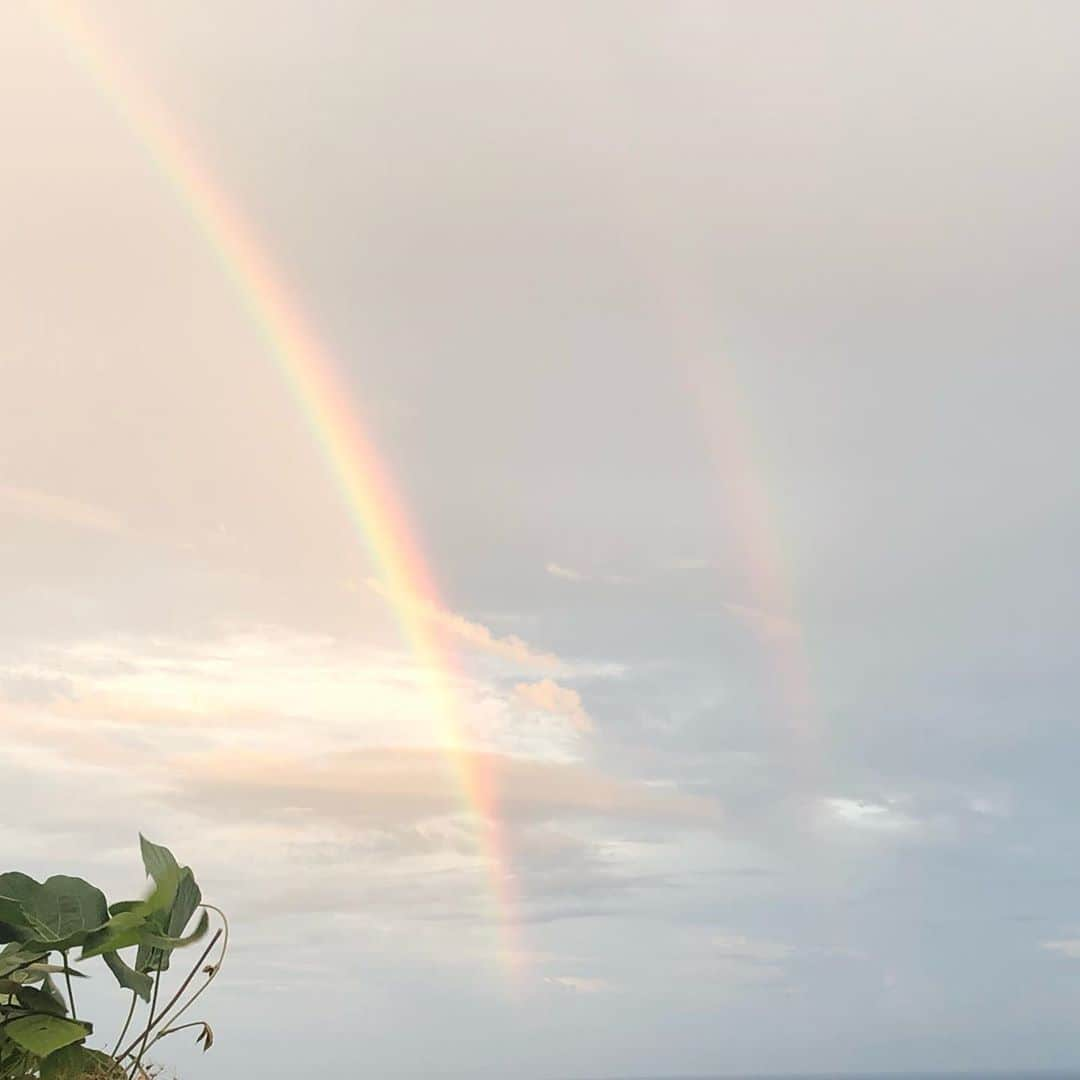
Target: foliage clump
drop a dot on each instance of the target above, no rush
(42, 923)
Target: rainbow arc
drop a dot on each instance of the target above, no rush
(315, 382)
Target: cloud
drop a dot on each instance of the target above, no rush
(773, 626)
(549, 697)
(20, 687)
(580, 984)
(869, 816)
(555, 570)
(473, 634)
(750, 950)
(402, 786)
(60, 509)
(1069, 947)
(740, 962)
(690, 564)
(567, 574)
(289, 745)
(510, 647)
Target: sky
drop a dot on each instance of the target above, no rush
(720, 361)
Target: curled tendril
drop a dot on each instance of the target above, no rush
(210, 971)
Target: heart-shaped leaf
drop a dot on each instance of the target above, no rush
(58, 913)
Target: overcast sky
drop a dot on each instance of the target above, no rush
(724, 358)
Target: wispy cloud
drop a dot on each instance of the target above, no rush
(474, 634)
(398, 786)
(751, 950)
(567, 574)
(60, 509)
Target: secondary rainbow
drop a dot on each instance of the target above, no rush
(313, 379)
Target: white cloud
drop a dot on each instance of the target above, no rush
(990, 807)
(564, 572)
(580, 984)
(567, 574)
(549, 697)
(304, 743)
(473, 634)
(871, 816)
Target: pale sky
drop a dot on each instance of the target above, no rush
(722, 355)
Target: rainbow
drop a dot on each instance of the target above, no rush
(313, 379)
(677, 290)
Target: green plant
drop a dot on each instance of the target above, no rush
(41, 923)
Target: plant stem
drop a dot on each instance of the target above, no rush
(127, 1023)
(67, 979)
(154, 1021)
(149, 1022)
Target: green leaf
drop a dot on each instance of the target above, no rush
(15, 934)
(126, 905)
(165, 943)
(40, 1001)
(119, 932)
(80, 1063)
(58, 913)
(148, 958)
(128, 977)
(14, 925)
(14, 889)
(154, 955)
(188, 898)
(35, 972)
(13, 957)
(41, 1035)
(161, 865)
